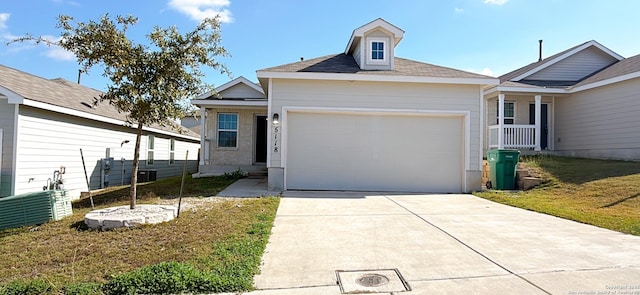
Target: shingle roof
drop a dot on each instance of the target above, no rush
(623, 67)
(64, 93)
(342, 63)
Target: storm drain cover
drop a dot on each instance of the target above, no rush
(371, 281)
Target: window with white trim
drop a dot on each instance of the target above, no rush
(509, 112)
(377, 50)
(227, 130)
(172, 149)
(150, 148)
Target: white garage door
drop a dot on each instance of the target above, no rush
(365, 152)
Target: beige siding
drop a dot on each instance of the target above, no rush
(357, 54)
(601, 122)
(241, 90)
(243, 154)
(7, 116)
(576, 66)
(380, 95)
(49, 140)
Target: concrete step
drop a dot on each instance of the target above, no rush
(530, 182)
(520, 173)
(257, 174)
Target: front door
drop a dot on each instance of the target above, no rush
(544, 143)
(261, 139)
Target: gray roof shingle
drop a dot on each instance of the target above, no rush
(342, 63)
(64, 93)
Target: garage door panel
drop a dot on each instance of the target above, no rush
(374, 152)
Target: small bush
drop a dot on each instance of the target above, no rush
(235, 175)
(162, 278)
(19, 287)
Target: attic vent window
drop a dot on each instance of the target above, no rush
(377, 50)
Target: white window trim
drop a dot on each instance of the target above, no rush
(515, 111)
(385, 51)
(218, 129)
(172, 152)
(152, 150)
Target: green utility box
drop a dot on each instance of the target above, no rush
(503, 165)
(34, 208)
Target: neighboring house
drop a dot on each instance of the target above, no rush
(360, 120)
(580, 102)
(44, 124)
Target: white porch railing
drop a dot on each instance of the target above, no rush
(513, 136)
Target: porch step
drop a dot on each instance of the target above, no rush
(526, 183)
(257, 174)
(520, 173)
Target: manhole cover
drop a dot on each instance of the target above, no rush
(372, 280)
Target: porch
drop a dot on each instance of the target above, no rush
(510, 130)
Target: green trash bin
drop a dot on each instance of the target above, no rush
(503, 168)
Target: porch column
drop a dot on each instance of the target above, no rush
(501, 121)
(203, 133)
(538, 133)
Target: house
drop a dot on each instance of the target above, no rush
(362, 120)
(233, 129)
(581, 102)
(45, 123)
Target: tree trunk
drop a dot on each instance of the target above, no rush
(134, 169)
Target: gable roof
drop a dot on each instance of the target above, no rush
(528, 70)
(60, 95)
(376, 23)
(343, 67)
(234, 82)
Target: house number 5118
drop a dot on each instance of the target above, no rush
(276, 139)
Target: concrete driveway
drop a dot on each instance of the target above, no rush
(439, 244)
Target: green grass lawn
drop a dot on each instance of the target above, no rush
(603, 193)
(217, 244)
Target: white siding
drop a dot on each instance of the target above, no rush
(7, 116)
(49, 140)
(381, 95)
(575, 67)
(241, 90)
(601, 122)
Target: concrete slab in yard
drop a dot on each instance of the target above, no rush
(248, 187)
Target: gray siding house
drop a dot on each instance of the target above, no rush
(44, 124)
(581, 102)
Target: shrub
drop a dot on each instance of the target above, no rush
(162, 278)
(19, 287)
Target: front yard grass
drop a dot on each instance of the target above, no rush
(603, 193)
(215, 246)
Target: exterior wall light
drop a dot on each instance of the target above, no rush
(276, 119)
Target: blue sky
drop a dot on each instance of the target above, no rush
(484, 36)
